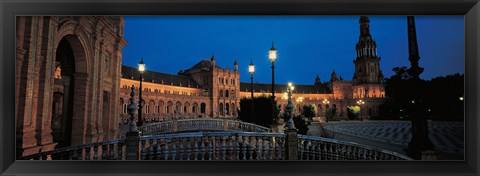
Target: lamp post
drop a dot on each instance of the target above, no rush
(289, 107)
(141, 69)
(360, 103)
(272, 56)
(251, 70)
(326, 102)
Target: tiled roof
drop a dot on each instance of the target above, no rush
(157, 77)
(307, 89)
(204, 64)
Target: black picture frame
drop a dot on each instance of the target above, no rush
(10, 9)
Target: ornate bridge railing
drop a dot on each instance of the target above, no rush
(189, 125)
(221, 146)
(107, 150)
(318, 148)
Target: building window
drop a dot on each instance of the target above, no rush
(203, 108)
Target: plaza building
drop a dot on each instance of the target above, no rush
(208, 90)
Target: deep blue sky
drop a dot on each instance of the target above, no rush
(307, 45)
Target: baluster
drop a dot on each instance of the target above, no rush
(317, 150)
(202, 148)
(338, 151)
(111, 155)
(331, 153)
(349, 153)
(277, 148)
(237, 147)
(367, 154)
(181, 149)
(224, 147)
(158, 149)
(210, 147)
(87, 153)
(244, 148)
(120, 149)
(195, 148)
(264, 148)
(251, 147)
(189, 148)
(79, 154)
(312, 150)
(270, 148)
(174, 149)
(70, 155)
(217, 148)
(257, 148)
(282, 146)
(166, 151)
(309, 149)
(95, 152)
(104, 152)
(301, 146)
(230, 148)
(150, 150)
(142, 151)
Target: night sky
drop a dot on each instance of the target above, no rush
(307, 45)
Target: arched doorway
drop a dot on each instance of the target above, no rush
(65, 81)
(71, 61)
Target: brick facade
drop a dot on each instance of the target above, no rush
(68, 74)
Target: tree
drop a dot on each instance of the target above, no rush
(353, 112)
(262, 110)
(309, 111)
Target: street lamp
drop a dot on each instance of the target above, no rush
(251, 70)
(141, 69)
(360, 103)
(289, 108)
(272, 56)
(326, 102)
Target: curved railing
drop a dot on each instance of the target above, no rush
(220, 146)
(318, 148)
(107, 150)
(213, 146)
(190, 125)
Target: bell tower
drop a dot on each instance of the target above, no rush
(367, 61)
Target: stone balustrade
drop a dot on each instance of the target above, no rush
(205, 124)
(233, 145)
(107, 150)
(318, 148)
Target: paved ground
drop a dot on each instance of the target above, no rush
(448, 137)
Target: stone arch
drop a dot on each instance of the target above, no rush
(169, 107)
(195, 108)
(227, 108)
(186, 108)
(203, 108)
(71, 31)
(233, 109)
(151, 107)
(161, 106)
(220, 109)
(71, 56)
(178, 107)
